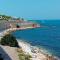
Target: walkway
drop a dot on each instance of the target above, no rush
(9, 53)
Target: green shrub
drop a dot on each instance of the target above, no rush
(9, 40)
(23, 56)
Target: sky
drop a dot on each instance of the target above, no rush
(31, 9)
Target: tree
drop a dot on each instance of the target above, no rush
(5, 17)
(9, 40)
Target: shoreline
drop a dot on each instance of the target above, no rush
(27, 49)
(34, 51)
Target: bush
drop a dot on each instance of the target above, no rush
(9, 40)
(23, 56)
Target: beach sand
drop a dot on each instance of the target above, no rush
(34, 52)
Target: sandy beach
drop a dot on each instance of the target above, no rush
(33, 51)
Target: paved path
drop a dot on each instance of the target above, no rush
(9, 53)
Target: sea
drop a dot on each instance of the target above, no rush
(46, 37)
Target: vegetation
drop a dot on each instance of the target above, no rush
(22, 55)
(9, 40)
(4, 17)
(17, 26)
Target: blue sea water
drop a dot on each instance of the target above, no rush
(47, 36)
